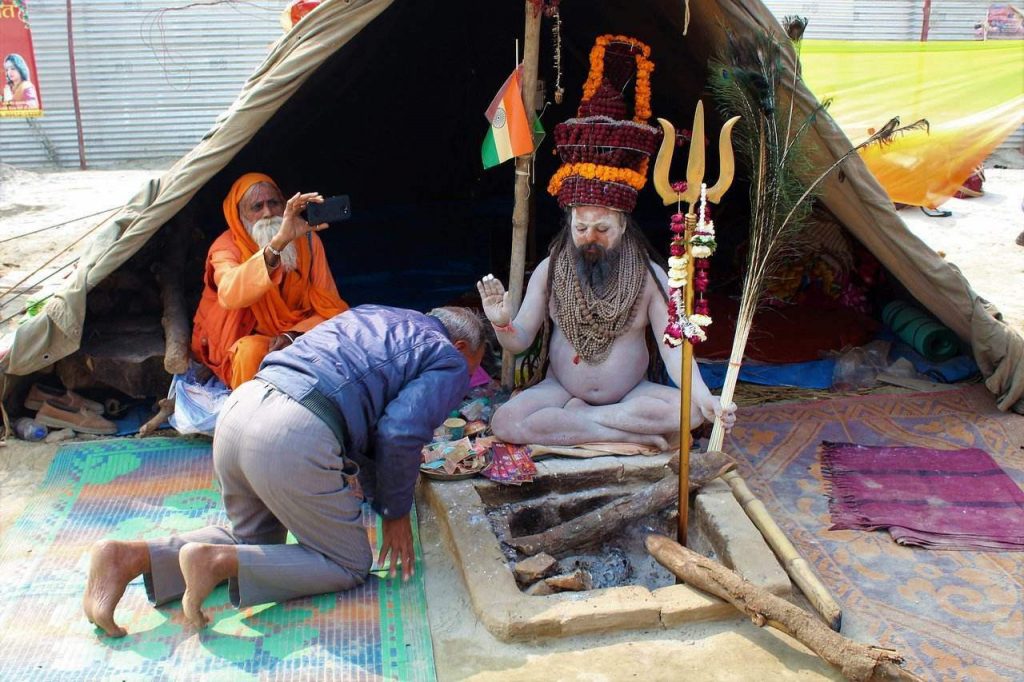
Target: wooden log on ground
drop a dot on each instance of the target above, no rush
(855, 660)
(166, 406)
(175, 318)
(608, 519)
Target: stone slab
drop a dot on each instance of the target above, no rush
(737, 542)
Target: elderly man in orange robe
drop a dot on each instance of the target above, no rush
(266, 280)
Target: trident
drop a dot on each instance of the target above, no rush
(794, 564)
(694, 180)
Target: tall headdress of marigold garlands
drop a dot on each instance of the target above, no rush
(605, 154)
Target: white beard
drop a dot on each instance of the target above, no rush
(263, 230)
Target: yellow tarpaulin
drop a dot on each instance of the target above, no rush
(972, 94)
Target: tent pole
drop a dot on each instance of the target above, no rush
(521, 211)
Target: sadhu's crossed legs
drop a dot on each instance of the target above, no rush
(548, 414)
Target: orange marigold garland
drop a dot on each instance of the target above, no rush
(592, 171)
(644, 68)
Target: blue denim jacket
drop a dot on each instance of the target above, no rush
(393, 374)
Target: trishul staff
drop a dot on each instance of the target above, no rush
(690, 193)
(794, 564)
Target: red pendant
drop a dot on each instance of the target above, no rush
(576, 359)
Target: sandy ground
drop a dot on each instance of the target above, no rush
(978, 238)
(33, 201)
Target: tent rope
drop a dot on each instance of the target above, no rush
(53, 227)
(44, 298)
(55, 257)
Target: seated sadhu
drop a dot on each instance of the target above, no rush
(266, 280)
(602, 290)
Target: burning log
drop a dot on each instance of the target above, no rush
(856, 661)
(608, 519)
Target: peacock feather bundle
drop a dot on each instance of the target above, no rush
(749, 78)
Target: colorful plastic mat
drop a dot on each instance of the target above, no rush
(138, 489)
(954, 615)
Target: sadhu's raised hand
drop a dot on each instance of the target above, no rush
(293, 225)
(495, 300)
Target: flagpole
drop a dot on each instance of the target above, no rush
(521, 209)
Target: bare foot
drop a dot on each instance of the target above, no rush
(657, 441)
(204, 567)
(112, 566)
(576, 404)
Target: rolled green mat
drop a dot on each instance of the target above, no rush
(924, 333)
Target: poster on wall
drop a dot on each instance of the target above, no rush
(20, 95)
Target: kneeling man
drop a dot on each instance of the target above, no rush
(361, 392)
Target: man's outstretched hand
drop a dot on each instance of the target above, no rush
(495, 300)
(398, 543)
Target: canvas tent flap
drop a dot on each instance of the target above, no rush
(971, 93)
(56, 333)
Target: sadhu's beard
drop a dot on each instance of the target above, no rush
(263, 230)
(597, 266)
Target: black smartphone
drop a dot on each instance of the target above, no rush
(333, 210)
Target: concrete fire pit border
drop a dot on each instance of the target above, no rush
(511, 615)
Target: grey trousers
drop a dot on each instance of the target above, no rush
(280, 469)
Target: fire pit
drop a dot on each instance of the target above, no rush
(629, 589)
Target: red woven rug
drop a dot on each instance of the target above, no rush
(954, 615)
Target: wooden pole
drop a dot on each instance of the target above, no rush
(74, 89)
(521, 210)
(856, 661)
(926, 20)
(795, 565)
(685, 391)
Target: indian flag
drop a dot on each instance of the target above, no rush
(510, 133)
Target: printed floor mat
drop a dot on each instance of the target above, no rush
(954, 615)
(138, 489)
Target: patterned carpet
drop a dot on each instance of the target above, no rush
(137, 489)
(953, 615)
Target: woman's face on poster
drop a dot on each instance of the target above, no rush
(13, 75)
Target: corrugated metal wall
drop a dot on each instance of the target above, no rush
(896, 20)
(885, 19)
(849, 20)
(151, 78)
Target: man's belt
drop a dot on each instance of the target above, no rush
(322, 406)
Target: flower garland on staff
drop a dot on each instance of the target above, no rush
(702, 246)
(644, 68)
